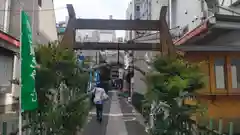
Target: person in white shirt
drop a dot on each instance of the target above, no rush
(120, 78)
(99, 97)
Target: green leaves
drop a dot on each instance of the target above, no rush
(171, 82)
(61, 86)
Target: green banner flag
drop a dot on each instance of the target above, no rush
(28, 66)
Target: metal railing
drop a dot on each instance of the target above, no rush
(224, 10)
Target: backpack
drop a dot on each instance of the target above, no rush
(93, 95)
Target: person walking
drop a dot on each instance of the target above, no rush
(99, 96)
(120, 78)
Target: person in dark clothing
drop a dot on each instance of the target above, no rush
(99, 111)
(120, 83)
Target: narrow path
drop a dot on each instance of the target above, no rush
(116, 125)
(119, 118)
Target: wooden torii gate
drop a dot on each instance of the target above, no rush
(165, 45)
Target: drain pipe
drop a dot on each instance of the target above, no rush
(170, 13)
(6, 19)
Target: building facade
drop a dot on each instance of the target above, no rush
(133, 12)
(207, 30)
(42, 16)
(107, 35)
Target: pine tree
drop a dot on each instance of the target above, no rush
(61, 86)
(171, 81)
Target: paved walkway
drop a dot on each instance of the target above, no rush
(119, 118)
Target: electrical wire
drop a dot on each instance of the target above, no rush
(40, 10)
(150, 34)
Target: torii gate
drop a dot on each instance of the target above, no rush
(165, 45)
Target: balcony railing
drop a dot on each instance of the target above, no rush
(224, 7)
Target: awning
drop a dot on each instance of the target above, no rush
(200, 29)
(208, 48)
(215, 23)
(6, 37)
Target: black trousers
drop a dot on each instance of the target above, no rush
(121, 84)
(99, 110)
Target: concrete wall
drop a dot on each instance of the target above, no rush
(155, 8)
(187, 12)
(139, 84)
(133, 13)
(47, 22)
(44, 24)
(107, 36)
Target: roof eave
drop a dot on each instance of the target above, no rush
(209, 48)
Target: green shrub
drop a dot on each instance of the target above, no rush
(61, 85)
(171, 82)
(137, 101)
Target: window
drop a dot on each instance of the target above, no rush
(40, 3)
(219, 73)
(137, 8)
(235, 67)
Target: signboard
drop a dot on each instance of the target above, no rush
(97, 77)
(81, 59)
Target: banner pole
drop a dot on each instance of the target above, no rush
(20, 94)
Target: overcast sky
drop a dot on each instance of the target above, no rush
(93, 9)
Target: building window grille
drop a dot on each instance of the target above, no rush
(219, 70)
(235, 67)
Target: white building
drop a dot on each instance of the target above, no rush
(43, 19)
(150, 9)
(186, 15)
(88, 36)
(132, 13)
(44, 31)
(83, 35)
(107, 35)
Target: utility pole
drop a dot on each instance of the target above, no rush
(131, 72)
(130, 69)
(96, 58)
(118, 55)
